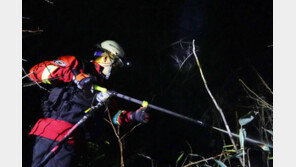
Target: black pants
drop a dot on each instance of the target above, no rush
(65, 157)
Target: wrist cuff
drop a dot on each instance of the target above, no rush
(116, 118)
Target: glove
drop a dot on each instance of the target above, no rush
(82, 80)
(140, 115)
(102, 97)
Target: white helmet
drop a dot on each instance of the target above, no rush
(112, 47)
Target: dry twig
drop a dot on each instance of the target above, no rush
(262, 102)
(123, 136)
(35, 83)
(117, 134)
(147, 157)
(214, 101)
(207, 159)
(265, 84)
(33, 31)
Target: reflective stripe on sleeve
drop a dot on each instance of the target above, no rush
(46, 73)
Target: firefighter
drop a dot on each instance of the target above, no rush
(65, 105)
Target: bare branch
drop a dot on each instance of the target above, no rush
(27, 75)
(117, 136)
(260, 100)
(147, 157)
(107, 121)
(264, 83)
(33, 31)
(50, 2)
(123, 136)
(214, 101)
(207, 159)
(35, 83)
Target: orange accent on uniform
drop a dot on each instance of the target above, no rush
(81, 76)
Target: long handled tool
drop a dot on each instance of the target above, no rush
(55, 149)
(89, 112)
(146, 104)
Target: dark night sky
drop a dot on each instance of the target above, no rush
(234, 39)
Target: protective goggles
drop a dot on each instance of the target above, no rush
(116, 61)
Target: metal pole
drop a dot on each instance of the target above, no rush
(158, 108)
(184, 117)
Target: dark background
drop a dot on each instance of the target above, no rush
(234, 39)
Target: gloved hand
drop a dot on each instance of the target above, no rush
(82, 80)
(102, 97)
(140, 115)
